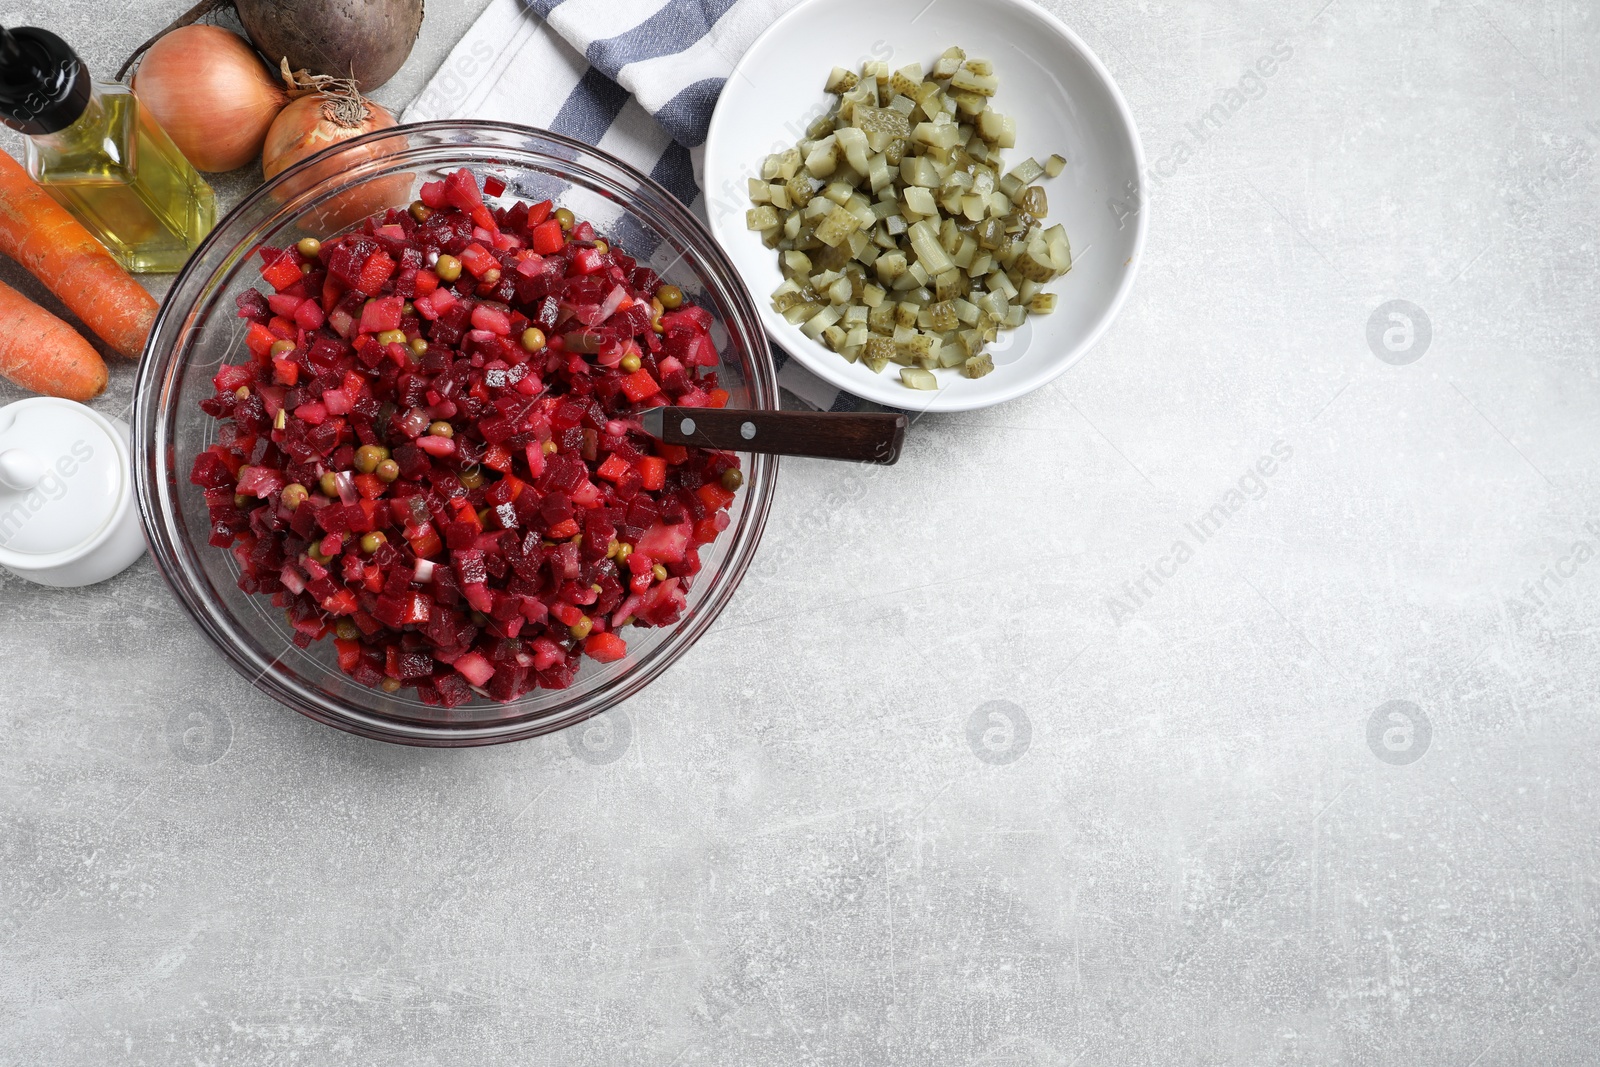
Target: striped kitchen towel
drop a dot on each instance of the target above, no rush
(635, 78)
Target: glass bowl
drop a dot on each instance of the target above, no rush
(197, 330)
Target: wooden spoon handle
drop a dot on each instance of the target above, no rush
(864, 437)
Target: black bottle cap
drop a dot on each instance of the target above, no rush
(44, 86)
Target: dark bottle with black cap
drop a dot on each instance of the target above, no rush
(102, 156)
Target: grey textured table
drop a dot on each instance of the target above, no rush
(979, 767)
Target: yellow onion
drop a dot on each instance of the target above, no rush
(314, 122)
(211, 93)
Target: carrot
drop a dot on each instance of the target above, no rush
(40, 352)
(39, 233)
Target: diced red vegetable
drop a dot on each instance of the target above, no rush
(481, 582)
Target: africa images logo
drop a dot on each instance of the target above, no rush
(1252, 485)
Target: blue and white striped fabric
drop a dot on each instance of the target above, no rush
(635, 78)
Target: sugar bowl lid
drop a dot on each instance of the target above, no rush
(64, 479)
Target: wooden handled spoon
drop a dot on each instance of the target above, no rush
(867, 437)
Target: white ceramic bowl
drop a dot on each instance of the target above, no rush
(1064, 101)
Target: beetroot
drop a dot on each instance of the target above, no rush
(449, 476)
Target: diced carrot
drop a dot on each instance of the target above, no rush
(639, 385)
(714, 496)
(652, 472)
(614, 468)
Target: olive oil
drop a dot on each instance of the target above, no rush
(126, 182)
(102, 156)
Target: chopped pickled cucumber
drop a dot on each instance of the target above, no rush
(921, 246)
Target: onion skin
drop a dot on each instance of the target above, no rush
(364, 40)
(211, 93)
(305, 128)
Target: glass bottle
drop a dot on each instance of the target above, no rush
(102, 156)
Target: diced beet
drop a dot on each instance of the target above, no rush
(547, 431)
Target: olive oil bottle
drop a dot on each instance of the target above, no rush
(102, 156)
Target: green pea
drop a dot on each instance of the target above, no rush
(369, 456)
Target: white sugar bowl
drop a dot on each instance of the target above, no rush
(67, 510)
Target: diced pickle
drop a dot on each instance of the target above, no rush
(801, 189)
(948, 63)
(977, 366)
(883, 121)
(922, 246)
(969, 82)
(841, 81)
(906, 79)
(942, 316)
